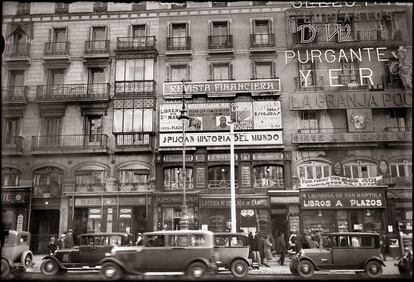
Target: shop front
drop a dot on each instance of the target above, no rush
(252, 213)
(115, 213)
(342, 209)
(15, 208)
(169, 210)
(284, 212)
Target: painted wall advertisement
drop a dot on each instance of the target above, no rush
(216, 116)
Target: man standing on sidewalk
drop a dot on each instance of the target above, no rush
(281, 247)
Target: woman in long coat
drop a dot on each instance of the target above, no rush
(268, 248)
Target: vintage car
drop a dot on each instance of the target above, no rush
(358, 251)
(92, 248)
(180, 252)
(16, 256)
(232, 252)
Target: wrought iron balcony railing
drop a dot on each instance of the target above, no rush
(322, 130)
(12, 143)
(179, 186)
(134, 87)
(312, 84)
(17, 50)
(136, 43)
(258, 40)
(57, 48)
(269, 183)
(178, 43)
(14, 93)
(64, 91)
(221, 184)
(220, 41)
(90, 187)
(133, 139)
(134, 187)
(97, 47)
(47, 190)
(76, 141)
(398, 129)
(392, 81)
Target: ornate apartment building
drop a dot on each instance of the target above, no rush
(91, 92)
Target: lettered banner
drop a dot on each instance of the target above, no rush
(338, 181)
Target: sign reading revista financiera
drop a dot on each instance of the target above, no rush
(231, 86)
(338, 181)
(222, 138)
(342, 199)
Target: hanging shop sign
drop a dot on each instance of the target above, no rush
(176, 200)
(216, 116)
(350, 100)
(222, 138)
(95, 201)
(268, 156)
(241, 203)
(233, 86)
(14, 197)
(284, 200)
(342, 199)
(299, 138)
(338, 181)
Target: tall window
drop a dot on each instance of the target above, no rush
(392, 78)
(178, 72)
(138, 30)
(98, 40)
(360, 169)
(16, 83)
(398, 120)
(90, 179)
(10, 130)
(263, 70)
(133, 116)
(178, 33)
(220, 34)
(300, 21)
(55, 81)
(10, 177)
(58, 38)
(134, 69)
(133, 179)
(173, 178)
(349, 74)
(221, 71)
(309, 121)
(401, 168)
(314, 170)
(268, 176)
(307, 70)
(219, 177)
(48, 180)
(51, 130)
(262, 30)
(93, 128)
(97, 81)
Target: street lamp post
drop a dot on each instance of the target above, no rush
(184, 223)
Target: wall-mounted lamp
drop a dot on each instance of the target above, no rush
(320, 213)
(368, 213)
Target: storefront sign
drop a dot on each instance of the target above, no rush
(95, 202)
(342, 199)
(14, 197)
(203, 87)
(220, 157)
(177, 158)
(350, 100)
(245, 176)
(225, 203)
(222, 139)
(134, 200)
(19, 226)
(338, 181)
(176, 200)
(299, 138)
(285, 200)
(200, 177)
(268, 156)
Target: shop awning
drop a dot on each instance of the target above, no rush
(26, 28)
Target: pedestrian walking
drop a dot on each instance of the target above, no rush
(298, 243)
(69, 239)
(139, 240)
(61, 242)
(52, 246)
(250, 243)
(255, 251)
(305, 241)
(268, 248)
(281, 247)
(384, 246)
(262, 250)
(312, 243)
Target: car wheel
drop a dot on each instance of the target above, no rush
(305, 268)
(5, 269)
(373, 269)
(239, 268)
(196, 270)
(293, 266)
(49, 267)
(26, 259)
(111, 271)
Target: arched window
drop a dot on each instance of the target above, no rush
(10, 177)
(219, 177)
(173, 181)
(91, 179)
(268, 176)
(401, 168)
(360, 169)
(48, 181)
(134, 177)
(314, 170)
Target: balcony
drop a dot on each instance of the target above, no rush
(77, 143)
(47, 191)
(220, 43)
(134, 141)
(350, 82)
(178, 45)
(316, 85)
(397, 129)
(135, 187)
(221, 184)
(17, 53)
(178, 186)
(262, 41)
(97, 48)
(14, 94)
(57, 49)
(392, 82)
(323, 136)
(90, 187)
(72, 92)
(140, 43)
(269, 184)
(12, 145)
(137, 87)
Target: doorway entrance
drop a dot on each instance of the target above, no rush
(43, 225)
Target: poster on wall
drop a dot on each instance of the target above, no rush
(242, 113)
(359, 120)
(267, 115)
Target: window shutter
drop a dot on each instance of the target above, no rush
(67, 34)
(169, 30)
(230, 71)
(211, 74)
(187, 29)
(168, 73)
(228, 28)
(252, 26)
(147, 30)
(107, 32)
(210, 28)
(188, 72)
(274, 70)
(90, 33)
(130, 34)
(253, 69)
(50, 35)
(271, 26)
